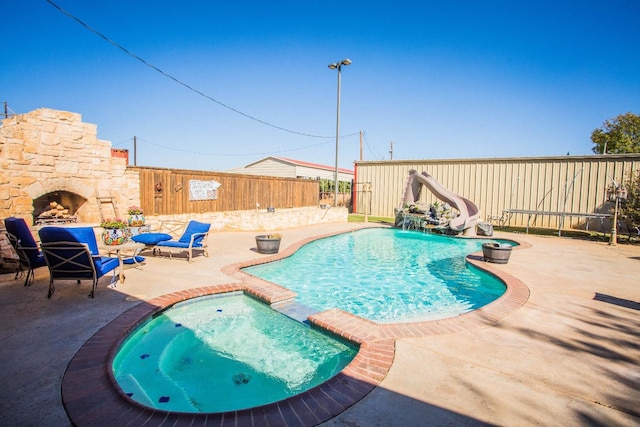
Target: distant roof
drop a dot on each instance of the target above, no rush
(302, 163)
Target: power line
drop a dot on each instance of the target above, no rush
(122, 142)
(375, 154)
(191, 88)
(234, 155)
(201, 153)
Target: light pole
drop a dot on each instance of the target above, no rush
(338, 65)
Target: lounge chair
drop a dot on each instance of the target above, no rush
(72, 254)
(169, 229)
(25, 246)
(193, 238)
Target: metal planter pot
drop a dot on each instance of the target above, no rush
(497, 253)
(267, 245)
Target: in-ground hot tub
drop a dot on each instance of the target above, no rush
(224, 353)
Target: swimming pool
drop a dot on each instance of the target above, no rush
(224, 353)
(386, 275)
(315, 406)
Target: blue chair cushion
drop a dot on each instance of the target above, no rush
(18, 227)
(151, 238)
(192, 228)
(39, 261)
(105, 265)
(71, 234)
(174, 244)
(138, 259)
(85, 235)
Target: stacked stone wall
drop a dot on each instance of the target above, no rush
(47, 150)
(259, 220)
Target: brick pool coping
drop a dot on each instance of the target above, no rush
(91, 395)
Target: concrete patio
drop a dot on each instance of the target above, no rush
(569, 356)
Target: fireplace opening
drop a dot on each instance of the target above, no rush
(58, 207)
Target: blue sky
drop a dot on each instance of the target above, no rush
(440, 79)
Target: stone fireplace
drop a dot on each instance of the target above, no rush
(59, 207)
(51, 160)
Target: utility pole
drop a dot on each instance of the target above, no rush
(391, 151)
(7, 111)
(135, 151)
(361, 134)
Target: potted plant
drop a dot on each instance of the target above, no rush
(268, 243)
(136, 216)
(115, 231)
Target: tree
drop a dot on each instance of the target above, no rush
(630, 207)
(618, 135)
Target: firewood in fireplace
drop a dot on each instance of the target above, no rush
(56, 211)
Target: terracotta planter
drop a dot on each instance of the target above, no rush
(497, 253)
(267, 245)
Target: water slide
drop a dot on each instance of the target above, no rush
(465, 222)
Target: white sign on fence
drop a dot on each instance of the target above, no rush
(203, 190)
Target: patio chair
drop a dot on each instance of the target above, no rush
(72, 254)
(24, 244)
(193, 238)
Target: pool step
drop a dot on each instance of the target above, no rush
(295, 310)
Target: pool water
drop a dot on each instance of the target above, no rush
(224, 353)
(386, 275)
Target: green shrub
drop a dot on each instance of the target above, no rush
(630, 208)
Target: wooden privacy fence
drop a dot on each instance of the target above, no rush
(569, 184)
(174, 191)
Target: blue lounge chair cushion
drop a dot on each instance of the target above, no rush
(194, 227)
(151, 238)
(193, 238)
(85, 235)
(173, 244)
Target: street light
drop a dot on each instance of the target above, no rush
(338, 65)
